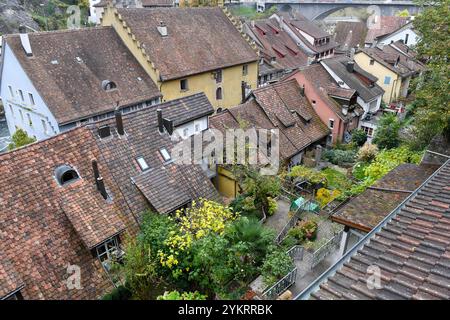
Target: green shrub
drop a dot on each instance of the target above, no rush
(272, 206)
(367, 153)
(119, 293)
(276, 265)
(175, 295)
(339, 157)
(359, 137)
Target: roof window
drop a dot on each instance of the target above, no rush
(165, 154)
(142, 163)
(66, 174)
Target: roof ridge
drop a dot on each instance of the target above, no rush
(61, 31)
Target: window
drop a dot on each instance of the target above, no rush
(21, 95)
(368, 131)
(142, 163)
(219, 94)
(44, 125)
(30, 96)
(331, 123)
(30, 122)
(109, 250)
(245, 69)
(165, 154)
(218, 76)
(12, 110)
(387, 80)
(104, 132)
(371, 62)
(66, 174)
(21, 115)
(185, 132)
(197, 127)
(15, 296)
(406, 38)
(184, 85)
(11, 92)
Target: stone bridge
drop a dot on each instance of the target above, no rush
(319, 9)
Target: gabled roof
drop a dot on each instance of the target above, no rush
(411, 247)
(198, 40)
(276, 43)
(407, 25)
(395, 60)
(325, 86)
(366, 210)
(278, 106)
(68, 67)
(367, 90)
(310, 28)
(350, 34)
(384, 25)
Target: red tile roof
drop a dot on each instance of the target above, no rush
(68, 68)
(366, 210)
(384, 25)
(277, 106)
(198, 40)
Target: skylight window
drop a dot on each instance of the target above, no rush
(165, 154)
(142, 163)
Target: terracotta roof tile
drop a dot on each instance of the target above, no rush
(71, 88)
(193, 44)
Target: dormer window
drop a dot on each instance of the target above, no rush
(165, 154)
(108, 85)
(142, 163)
(65, 175)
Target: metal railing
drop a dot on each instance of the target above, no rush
(296, 252)
(325, 250)
(282, 285)
(291, 223)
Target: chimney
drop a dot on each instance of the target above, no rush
(345, 109)
(162, 29)
(160, 121)
(119, 123)
(99, 180)
(25, 41)
(252, 23)
(168, 124)
(350, 66)
(243, 91)
(302, 90)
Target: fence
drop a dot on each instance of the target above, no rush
(278, 288)
(291, 223)
(296, 252)
(317, 256)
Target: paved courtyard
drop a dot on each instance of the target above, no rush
(281, 216)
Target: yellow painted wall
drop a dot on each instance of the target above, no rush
(204, 82)
(392, 90)
(226, 185)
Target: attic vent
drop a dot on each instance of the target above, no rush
(104, 132)
(79, 60)
(66, 174)
(162, 29)
(108, 85)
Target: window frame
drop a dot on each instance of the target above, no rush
(165, 154)
(108, 251)
(219, 93)
(142, 163)
(331, 123)
(245, 70)
(387, 80)
(186, 87)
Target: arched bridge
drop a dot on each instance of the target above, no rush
(319, 9)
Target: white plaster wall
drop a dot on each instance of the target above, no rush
(94, 12)
(413, 38)
(202, 124)
(13, 75)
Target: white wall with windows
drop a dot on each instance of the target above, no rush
(408, 36)
(193, 127)
(24, 107)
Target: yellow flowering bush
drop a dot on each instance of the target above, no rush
(194, 223)
(325, 196)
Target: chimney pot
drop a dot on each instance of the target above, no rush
(350, 66)
(119, 123)
(345, 109)
(101, 187)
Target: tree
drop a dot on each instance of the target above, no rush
(20, 139)
(359, 137)
(432, 89)
(387, 133)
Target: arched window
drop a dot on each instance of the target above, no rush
(219, 94)
(66, 174)
(108, 85)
